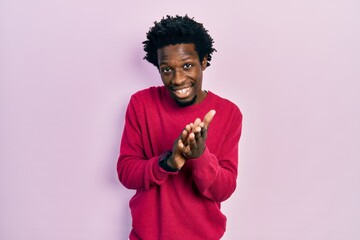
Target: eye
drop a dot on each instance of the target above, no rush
(165, 70)
(188, 65)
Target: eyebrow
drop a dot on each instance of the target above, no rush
(165, 61)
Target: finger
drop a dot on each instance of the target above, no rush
(208, 117)
(186, 152)
(191, 137)
(198, 128)
(188, 127)
(180, 145)
(198, 134)
(185, 133)
(204, 133)
(196, 124)
(192, 141)
(177, 154)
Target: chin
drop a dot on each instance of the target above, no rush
(186, 103)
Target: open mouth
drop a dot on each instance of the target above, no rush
(183, 92)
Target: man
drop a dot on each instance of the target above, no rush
(181, 167)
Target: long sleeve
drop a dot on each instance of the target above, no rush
(215, 175)
(134, 170)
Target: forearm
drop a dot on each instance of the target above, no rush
(137, 168)
(215, 179)
(138, 173)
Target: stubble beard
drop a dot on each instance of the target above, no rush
(188, 103)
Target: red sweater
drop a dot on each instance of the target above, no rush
(185, 204)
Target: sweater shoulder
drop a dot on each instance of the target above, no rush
(226, 105)
(152, 92)
(148, 97)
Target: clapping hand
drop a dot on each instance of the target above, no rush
(191, 143)
(194, 145)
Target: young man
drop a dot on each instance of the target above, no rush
(181, 167)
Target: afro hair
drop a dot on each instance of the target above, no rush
(176, 30)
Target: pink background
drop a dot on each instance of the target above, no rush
(68, 68)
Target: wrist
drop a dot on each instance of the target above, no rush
(164, 162)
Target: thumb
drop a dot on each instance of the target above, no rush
(208, 117)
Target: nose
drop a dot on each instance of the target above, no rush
(179, 77)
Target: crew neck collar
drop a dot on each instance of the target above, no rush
(170, 102)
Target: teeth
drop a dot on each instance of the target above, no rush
(183, 91)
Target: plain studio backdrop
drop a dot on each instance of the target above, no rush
(68, 69)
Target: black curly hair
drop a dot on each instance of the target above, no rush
(175, 30)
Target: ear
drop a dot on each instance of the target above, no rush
(204, 63)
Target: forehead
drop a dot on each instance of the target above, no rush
(181, 51)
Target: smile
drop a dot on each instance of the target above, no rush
(183, 91)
